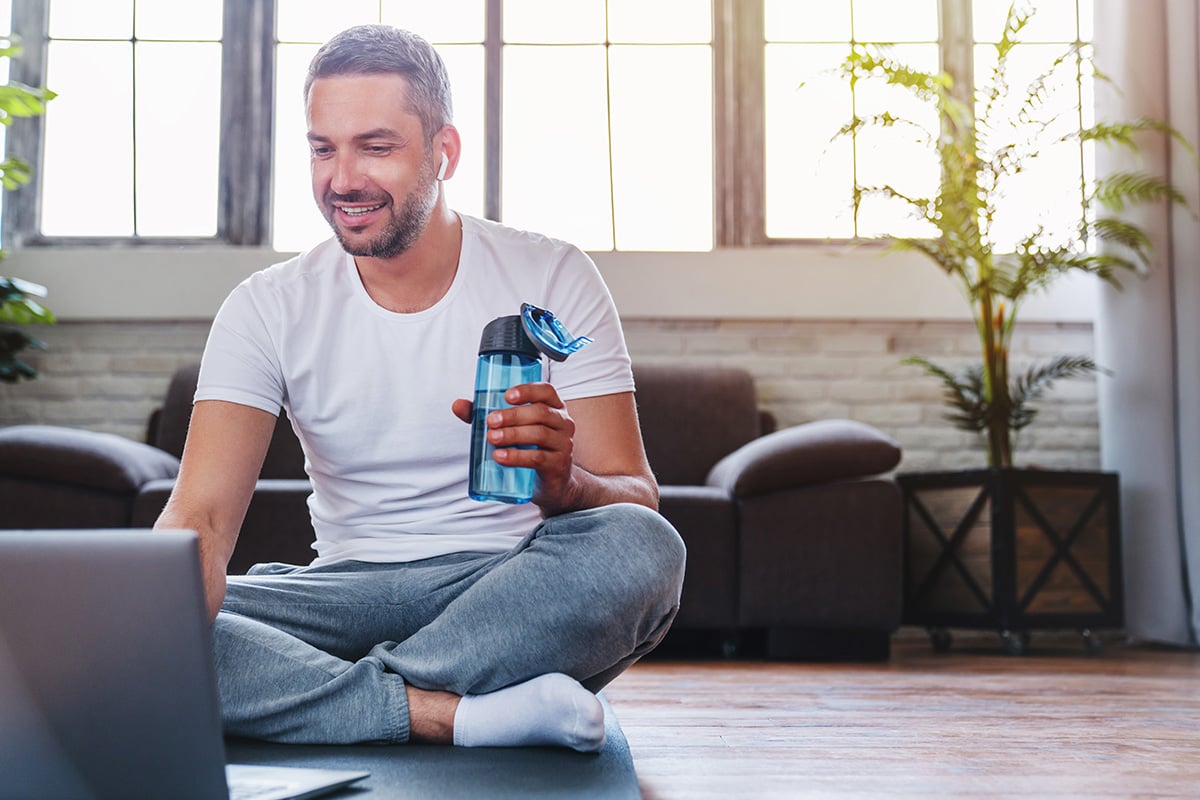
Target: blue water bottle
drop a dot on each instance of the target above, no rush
(510, 352)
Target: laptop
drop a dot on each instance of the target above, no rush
(107, 684)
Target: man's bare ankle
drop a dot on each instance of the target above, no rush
(431, 716)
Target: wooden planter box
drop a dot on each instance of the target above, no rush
(1012, 550)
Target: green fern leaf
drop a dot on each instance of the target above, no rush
(1030, 386)
(1122, 189)
(1121, 232)
(963, 393)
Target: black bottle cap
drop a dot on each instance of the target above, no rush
(507, 335)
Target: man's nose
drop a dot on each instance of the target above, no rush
(347, 175)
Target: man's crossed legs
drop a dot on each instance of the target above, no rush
(358, 652)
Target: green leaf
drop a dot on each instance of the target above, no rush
(1125, 133)
(17, 297)
(1018, 17)
(964, 393)
(1123, 189)
(19, 100)
(10, 46)
(25, 287)
(12, 342)
(1122, 232)
(1037, 379)
(14, 172)
(18, 306)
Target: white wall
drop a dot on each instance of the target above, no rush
(785, 282)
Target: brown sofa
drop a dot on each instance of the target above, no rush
(793, 535)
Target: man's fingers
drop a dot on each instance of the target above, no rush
(534, 393)
(462, 409)
(538, 434)
(520, 416)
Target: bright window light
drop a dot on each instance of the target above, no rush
(132, 141)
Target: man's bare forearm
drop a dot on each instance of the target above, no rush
(216, 548)
(221, 460)
(588, 490)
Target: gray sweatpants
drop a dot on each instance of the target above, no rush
(322, 654)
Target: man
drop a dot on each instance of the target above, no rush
(426, 616)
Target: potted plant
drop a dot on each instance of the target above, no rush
(19, 299)
(1005, 547)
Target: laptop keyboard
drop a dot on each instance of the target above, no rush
(249, 791)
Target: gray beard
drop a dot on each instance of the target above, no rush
(403, 229)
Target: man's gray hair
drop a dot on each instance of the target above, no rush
(383, 49)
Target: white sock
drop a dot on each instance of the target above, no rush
(550, 709)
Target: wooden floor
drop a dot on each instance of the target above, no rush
(971, 723)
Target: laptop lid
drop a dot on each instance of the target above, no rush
(106, 675)
(107, 688)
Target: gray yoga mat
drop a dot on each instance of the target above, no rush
(433, 772)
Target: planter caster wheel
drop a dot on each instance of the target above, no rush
(1091, 642)
(729, 647)
(1015, 643)
(940, 639)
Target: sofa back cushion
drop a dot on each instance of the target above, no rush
(692, 417)
(169, 425)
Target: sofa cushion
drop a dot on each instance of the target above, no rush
(37, 505)
(692, 416)
(815, 452)
(705, 519)
(82, 458)
(822, 557)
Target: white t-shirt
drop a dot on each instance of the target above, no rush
(369, 390)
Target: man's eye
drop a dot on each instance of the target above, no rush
(321, 152)
(379, 149)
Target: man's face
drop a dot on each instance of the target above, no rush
(373, 171)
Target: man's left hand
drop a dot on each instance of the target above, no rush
(537, 432)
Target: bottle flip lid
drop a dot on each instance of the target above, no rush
(548, 334)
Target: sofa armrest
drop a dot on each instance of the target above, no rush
(812, 453)
(277, 525)
(94, 460)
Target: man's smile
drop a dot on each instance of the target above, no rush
(359, 210)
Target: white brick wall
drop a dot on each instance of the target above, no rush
(807, 370)
(109, 376)
(102, 376)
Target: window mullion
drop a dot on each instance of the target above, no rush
(493, 107)
(957, 47)
(30, 21)
(247, 107)
(739, 120)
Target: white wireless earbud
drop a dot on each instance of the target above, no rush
(441, 176)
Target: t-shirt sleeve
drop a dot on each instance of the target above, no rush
(578, 296)
(240, 364)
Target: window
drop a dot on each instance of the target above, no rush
(604, 115)
(615, 124)
(141, 83)
(810, 177)
(1047, 193)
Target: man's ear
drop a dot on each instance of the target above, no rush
(448, 141)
